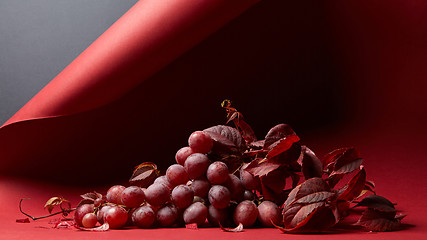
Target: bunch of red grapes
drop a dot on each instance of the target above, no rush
(195, 190)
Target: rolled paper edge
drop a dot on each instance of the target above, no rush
(83, 84)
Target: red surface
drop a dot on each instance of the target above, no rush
(343, 74)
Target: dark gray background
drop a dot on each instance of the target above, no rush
(39, 38)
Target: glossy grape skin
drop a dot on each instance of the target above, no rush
(248, 195)
(157, 194)
(200, 142)
(164, 180)
(246, 213)
(182, 155)
(89, 220)
(182, 196)
(143, 216)
(249, 181)
(167, 216)
(219, 196)
(101, 213)
(176, 174)
(196, 165)
(235, 187)
(116, 216)
(217, 173)
(216, 216)
(195, 213)
(269, 211)
(81, 211)
(114, 194)
(133, 196)
(201, 187)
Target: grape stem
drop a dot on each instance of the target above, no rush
(46, 216)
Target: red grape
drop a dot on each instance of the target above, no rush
(246, 213)
(157, 194)
(248, 195)
(196, 165)
(143, 216)
(201, 187)
(164, 180)
(81, 211)
(235, 186)
(116, 216)
(182, 155)
(89, 220)
(216, 216)
(219, 196)
(269, 211)
(182, 196)
(217, 173)
(195, 213)
(133, 196)
(114, 194)
(248, 180)
(176, 174)
(167, 216)
(200, 142)
(101, 213)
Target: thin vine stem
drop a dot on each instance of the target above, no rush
(46, 216)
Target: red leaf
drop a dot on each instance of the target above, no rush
(310, 186)
(319, 220)
(378, 203)
(282, 145)
(144, 174)
(315, 197)
(55, 201)
(104, 227)
(338, 174)
(276, 133)
(311, 166)
(259, 167)
(23, 220)
(91, 196)
(192, 226)
(304, 199)
(378, 221)
(354, 187)
(225, 138)
(239, 228)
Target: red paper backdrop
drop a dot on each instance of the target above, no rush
(342, 73)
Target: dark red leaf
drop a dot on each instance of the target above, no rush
(304, 199)
(91, 196)
(239, 228)
(225, 138)
(378, 221)
(55, 201)
(192, 226)
(311, 166)
(315, 197)
(310, 186)
(354, 187)
(257, 144)
(144, 174)
(23, 220)
(370, 186)
(338, 174)
(261, 167)
(104, 227)
(378, 203)
(282, 145)
(276, 133)
(319, 220)
(275, 180)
